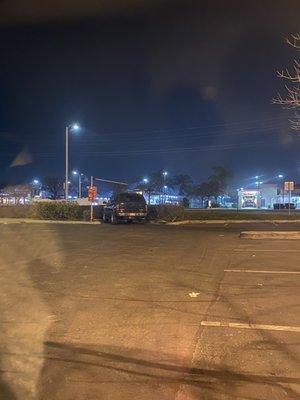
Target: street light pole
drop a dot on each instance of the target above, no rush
(74, 127)
(79, 185)
(92, 209)
(79, 182)
(146, 180)
(67, 164)
(165, 173)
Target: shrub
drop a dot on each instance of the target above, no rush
(58, 210)
(86, 212)
(55, 210)
(166, 212)
(215, 205)
(17, 211)
(185, 202)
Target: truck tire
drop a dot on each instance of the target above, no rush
(113, 219)
(104, 218)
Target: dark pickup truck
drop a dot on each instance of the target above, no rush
(125, 207)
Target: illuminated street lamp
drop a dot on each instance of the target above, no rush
(69, 128)
(79, 182)
(165, 173)
(35, 186)
(280, 177)
(258, 183)
(145, 181)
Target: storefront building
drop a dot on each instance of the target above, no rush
(266, 195)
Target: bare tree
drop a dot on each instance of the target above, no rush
(291, 99)
(53, 185)
(184, 183)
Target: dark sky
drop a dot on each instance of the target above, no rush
(177, 85)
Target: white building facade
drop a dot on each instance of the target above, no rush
(266, 195)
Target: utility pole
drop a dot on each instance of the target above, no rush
(92, 209)
(165, 173)
(74, 127)
(79, 182)
(67, 165)
(79, 185)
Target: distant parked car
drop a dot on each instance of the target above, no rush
(290, 205)
(125, 207)
(284, 206)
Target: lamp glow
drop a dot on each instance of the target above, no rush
(75, 127)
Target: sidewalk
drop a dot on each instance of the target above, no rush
(270, 235)
(235, 221)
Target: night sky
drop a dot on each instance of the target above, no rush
(175, 85)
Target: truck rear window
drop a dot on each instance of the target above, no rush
(131, 197)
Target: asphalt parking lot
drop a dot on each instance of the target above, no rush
(147, 312)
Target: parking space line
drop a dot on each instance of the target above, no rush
(253, 271)
(219, 324)
(272, 250)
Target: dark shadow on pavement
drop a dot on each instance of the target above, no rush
(104, 364)
(5, 392)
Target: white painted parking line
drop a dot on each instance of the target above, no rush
(253, 271)
(218, 324)
(272, 250)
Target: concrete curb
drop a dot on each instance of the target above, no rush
(270, 235)
(234, 221)
(9, 221)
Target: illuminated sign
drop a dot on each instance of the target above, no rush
(249, 198)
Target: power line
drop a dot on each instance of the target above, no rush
(86, 140)
(230, 146)
(233, 125)
(160, 130)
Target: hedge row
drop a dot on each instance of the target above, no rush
(72, 211)
(179, 213)
(16, 211)
(51, 211)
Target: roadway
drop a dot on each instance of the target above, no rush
(147, 312)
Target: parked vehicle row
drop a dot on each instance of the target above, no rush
(284, 206)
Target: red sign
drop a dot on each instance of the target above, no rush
(92, 193)
(289, 185)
